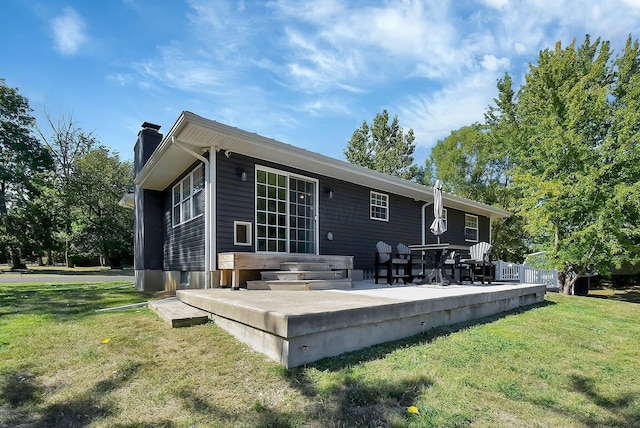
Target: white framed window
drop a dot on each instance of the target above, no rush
(188, 197)
(242, 233)
(444, 219)
(379, 206)
(471, 227)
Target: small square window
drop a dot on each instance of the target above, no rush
(242, 233)
(184, 278)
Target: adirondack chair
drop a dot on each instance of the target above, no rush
(452, 263)
(479, 262)
(415, 263)
(391, 264)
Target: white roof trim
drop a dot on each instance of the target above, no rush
(168, 161)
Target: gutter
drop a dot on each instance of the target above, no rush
(207, 208)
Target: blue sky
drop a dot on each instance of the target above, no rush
(307, 73)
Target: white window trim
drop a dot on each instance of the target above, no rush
(371, 205)
(191, 198)
(246, 224)
(477, 228)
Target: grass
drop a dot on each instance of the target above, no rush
(571, 361)
(34, 270)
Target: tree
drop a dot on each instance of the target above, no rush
(384, 147)
(570, 141)
(472, 165)
(21, 158)
(66, 143)
(563, 154)
(101, 228)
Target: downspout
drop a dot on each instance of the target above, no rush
(424, 222)
(207, 209)
(213, 207)
(490, 231)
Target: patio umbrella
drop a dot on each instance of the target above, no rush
(437, 227)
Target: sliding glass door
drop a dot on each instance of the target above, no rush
(285, 212)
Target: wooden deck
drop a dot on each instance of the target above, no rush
(238, 268)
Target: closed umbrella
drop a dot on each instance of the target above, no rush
(438, 227)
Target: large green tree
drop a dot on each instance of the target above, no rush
(384, 147)
(101, 228)
(66, 143)
(562, 153)
(471, 164)
(22, 157)
(566, 117)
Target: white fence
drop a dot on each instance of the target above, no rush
(525, 274)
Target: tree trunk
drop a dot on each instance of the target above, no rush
(16, 263)
(67, 260)
(49, 257)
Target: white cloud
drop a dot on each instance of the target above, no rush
(68, 32)
(317, 58)
(496, 4)
(433, 116)
(490, 62)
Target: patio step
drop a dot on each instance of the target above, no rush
(177, 313)
(287, 275)
(305, 266)
(301, 284)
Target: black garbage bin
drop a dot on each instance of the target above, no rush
(581, 286)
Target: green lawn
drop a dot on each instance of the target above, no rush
(572, 361)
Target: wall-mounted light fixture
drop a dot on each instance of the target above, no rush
(242, 173)
(329, 192)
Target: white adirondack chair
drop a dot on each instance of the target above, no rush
(479, 262)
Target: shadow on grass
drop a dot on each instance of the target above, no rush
(624, 409)
(21, 401)
(64, 300)
(356, 402)
(631, 295)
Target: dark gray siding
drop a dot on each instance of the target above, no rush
(183, 244)
(346, 215)
(455, 228)
(235, 199)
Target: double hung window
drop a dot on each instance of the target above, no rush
(471, 227)
(379, 206)
(444, 219)
(188, 197)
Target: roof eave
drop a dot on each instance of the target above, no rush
(205, 133)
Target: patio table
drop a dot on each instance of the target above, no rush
(441, 252)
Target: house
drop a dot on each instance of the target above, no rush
(207, 194)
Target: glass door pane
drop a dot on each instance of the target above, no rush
(271, 215)
(302, 197)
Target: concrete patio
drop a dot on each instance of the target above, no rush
(298, 327)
